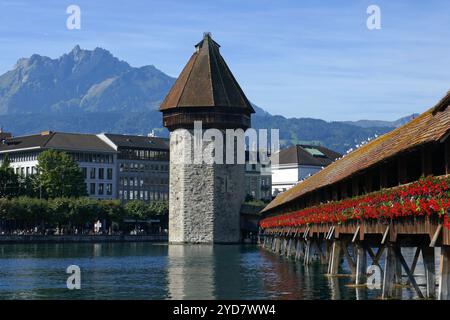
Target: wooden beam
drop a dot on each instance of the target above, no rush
(383, 176)
(444, 282)
(344, 190)
(306, 259)
(427, 161)
(334, 193)
(385, 234)
(368, 182)
(355, 186)
(401, 168)
(398, 265)
(355, 235)
(376, 257)
(389, 273)
(361, 264)
(288, 254)
(413, 282)
(436, 236)
(335, 259)
(430, 270)
(350, 261)
(414, 263)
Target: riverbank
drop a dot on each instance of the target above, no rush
(4, 239)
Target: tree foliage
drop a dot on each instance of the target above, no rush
(59, 175)
(9, 180)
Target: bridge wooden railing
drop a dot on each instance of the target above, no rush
(381, 240)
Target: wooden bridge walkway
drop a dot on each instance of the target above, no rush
(354, 243)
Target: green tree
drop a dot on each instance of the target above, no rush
(59, 175)
(9, 180)
(158, 208)
(136, 209)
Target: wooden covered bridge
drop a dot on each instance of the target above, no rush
(391, 193)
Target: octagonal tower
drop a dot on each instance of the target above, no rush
(205, 198)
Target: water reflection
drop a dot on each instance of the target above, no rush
(161, 271)
(190, 273)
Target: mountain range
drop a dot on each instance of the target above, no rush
(93, 91)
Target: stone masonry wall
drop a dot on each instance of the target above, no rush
(204, 198)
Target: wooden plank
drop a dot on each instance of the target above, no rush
(414, 263)
(412, 280)
(430, 270)
(331, 232)
(386, 232)
(335, 259)
(398, 266)
(361, 264)
(389, 273)
(356, 234)
(436, 236)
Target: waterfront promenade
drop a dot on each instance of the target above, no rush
(4, 239)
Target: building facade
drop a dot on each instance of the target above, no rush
(96, 159)
(142, 166)
(297, 163)
(123, 167)
(258, 180)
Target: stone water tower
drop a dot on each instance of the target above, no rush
(205, 198)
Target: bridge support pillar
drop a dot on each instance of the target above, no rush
(430, 270)
(277, 244)
(335, 258)
(390, 271)
(299, 250)
(306, 258)
(284, 247)
(444, 282)
(289, 249)
(361, 264)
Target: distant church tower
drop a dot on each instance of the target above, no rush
(205, 199)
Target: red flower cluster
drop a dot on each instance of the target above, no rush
(422, 198)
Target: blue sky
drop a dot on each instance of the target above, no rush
(296, 58)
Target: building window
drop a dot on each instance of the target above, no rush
(84, 170)
(100, 188)
(101, 173)
(109, 174)
(92, 189)
(92, 174)
(109, 189)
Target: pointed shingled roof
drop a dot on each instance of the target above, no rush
(206, 81)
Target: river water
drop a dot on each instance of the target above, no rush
(162, 271)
